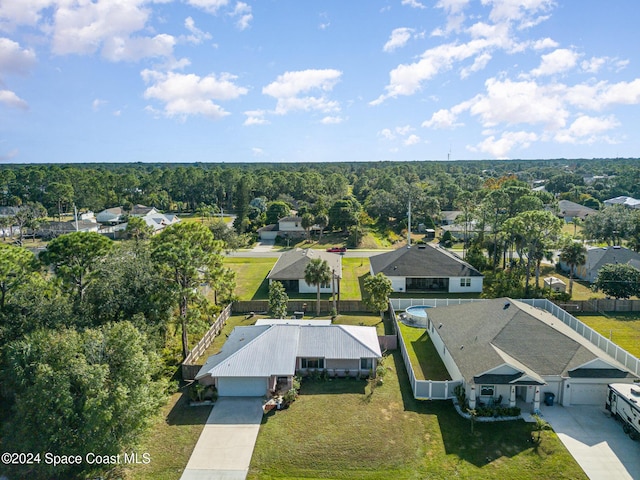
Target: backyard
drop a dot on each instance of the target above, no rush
(336, 429)
(621, 328)
(425, 360)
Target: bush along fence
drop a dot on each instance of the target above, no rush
(189, 367)
(423, 389)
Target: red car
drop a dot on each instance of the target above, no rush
(337, 249)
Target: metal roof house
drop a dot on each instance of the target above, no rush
(257, 360)
(290, 268)
(426, 268)
(505, 349)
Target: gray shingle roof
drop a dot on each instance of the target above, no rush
(597, 257)
(481, 336)
(262, 351)
(292, 264)
(421, 261)
(571, 209)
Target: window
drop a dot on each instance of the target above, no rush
(487, 390)
(313, 363)
(465, 282)
(366, 363)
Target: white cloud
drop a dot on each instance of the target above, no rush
(256, 117)
(97, 104)
(602, 94)
(442, 119)
(257, 152)
(132, 49)
(455, 17)
(211, 6)
(544, 44)
(332, 120)
(412, 140)
(413, 3)
(479, 63)
(23, 12)
(585, 129)
(197, 35)
(558, 61)
(14, 58)
(525, 13)
(188, 94)
(10, 99)
(387, 134)
(500, 147)
(243, 11)
(399, 38)
(288, 87)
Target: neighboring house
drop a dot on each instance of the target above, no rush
(426, 268)
(55, 229)
(629, 202)
(448, 217)
(290, 267)
(258, 360)
(142, 211)
(503, 350)
(570, 210)
(599, 256)
(290, 226)
(9, 211)
(110, 216)
(158, 221)
(459, 230)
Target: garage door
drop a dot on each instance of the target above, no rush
(242, 386)
(588, 393)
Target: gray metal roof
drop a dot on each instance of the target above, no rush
(262, 351)
(421, 261)
(481, 336)
(292, 264)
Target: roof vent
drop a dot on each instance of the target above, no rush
(422, 247)
(635, 392)
(506, 305)
(616, 247)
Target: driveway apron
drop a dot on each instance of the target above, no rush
(596, 441)
(225, 446)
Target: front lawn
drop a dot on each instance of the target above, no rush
(622, 328)
(426, 363)
(336, 430)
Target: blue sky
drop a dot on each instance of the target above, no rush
(298, 81)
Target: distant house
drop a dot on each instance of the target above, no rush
(569, 210)
(290, 226)
(290, 267)
(555, 284)
(505, 351)
(142, 211)
(159, 221)
(9, 211)
(53, 229)
(597, 257)
(111, 216)
(470, 229)
(257, 360)
(448, 217)
(628, 202)
(426, 268)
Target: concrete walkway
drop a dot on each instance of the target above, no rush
(596, 441)
(225, 446)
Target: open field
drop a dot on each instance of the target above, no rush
(622, 328)
(337, 430)
(425, 360)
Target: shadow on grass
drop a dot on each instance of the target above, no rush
(262, 293)
(183, 414)
(488, 442)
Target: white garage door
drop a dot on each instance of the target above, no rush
(588, 393)
(242, 386)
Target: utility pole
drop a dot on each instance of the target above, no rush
(409, 226)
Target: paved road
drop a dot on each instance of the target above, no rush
(225, 446)
(596, 441)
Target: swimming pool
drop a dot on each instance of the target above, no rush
(417, 315)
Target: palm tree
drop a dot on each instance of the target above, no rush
(573, 254)
(322, 220)
(307, 223)
(317, 273)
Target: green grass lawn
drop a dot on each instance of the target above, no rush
(366, 319)
(353, 269)
(251, 276)
(425, 360)
(233, 322)
(169, 441)
(336, 430)
(622, 328)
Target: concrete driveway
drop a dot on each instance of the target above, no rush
(596, 441)
(225, 446)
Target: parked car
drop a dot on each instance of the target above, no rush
(337, 249)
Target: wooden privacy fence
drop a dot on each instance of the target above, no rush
(600, 305)
(189, 367)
